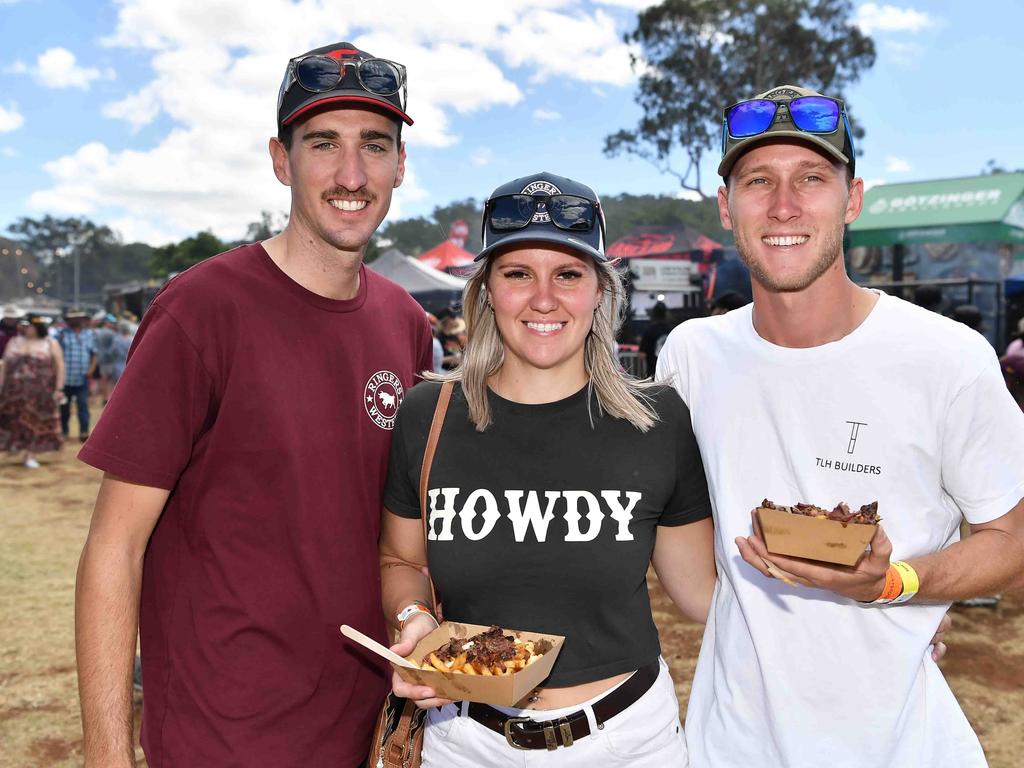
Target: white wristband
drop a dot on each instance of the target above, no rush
(413, 608)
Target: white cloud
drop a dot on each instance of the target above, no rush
(633, 5)
(869, 183)
(215, 72)
(58, 68)
(546, 114)
(409, 192)
(688, 194)
(896, 165)
(906, 53)
(482, 156)
(10, 118)
(871, 17)
(589, 47)
(137, 109)
(173, 187)
(8, 152)
(134, 229)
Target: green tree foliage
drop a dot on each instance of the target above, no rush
(992, 167)
(625, 214)
(698, 56)
(416, 235)
(411, 236)
(178, 257)
(264, 229)
(54, 244)
(14, 257)
(469, 211)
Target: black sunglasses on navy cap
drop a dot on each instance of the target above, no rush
(572, 213)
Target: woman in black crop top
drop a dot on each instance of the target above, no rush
(557, 481)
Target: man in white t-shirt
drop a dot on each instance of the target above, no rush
(822, 391)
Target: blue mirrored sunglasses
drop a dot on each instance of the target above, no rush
(811, 114)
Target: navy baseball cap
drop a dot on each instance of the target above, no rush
(339, 74)
(544, 208)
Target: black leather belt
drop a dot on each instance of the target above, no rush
(524, 733)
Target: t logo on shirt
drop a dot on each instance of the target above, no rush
(854, 431)
(523, 509)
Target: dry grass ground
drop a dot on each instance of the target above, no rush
(44, 516)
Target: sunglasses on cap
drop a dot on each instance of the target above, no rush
(810, 114)
(572, 213)
(318, 73)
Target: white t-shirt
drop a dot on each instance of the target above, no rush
(911, 410)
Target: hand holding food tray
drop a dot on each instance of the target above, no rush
(515, 662)
(804, 530)
(503, 688)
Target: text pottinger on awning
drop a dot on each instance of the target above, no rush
(969, 209)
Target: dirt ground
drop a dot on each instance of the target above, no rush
(44, 517)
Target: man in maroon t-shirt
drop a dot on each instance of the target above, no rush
(244, 456)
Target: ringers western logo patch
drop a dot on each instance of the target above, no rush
(541, 216)
(381, 397)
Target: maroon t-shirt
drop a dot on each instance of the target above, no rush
(267, 410)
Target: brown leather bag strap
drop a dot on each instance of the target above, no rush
(428, 459)
(403, 748)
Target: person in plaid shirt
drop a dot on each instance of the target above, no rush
(79, 345)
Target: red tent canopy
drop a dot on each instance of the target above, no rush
(662, 243)
(448, 255)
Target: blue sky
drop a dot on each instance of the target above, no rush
(152, 115)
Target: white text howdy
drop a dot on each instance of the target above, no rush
(525, 513)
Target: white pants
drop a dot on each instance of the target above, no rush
(646, 734)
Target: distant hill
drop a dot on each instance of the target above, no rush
(626, 213)
(623, 214)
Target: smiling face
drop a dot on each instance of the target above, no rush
(342, 167)
(544, 300)
(787, 205)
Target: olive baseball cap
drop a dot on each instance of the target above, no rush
(294, 100)
(836, 144)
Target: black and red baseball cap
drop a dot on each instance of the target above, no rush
(341, 74)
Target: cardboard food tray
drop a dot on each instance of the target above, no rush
(830, 541)
(505, 690)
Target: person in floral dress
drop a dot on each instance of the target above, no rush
(31, 372)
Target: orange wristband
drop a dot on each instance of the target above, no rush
(893, 586)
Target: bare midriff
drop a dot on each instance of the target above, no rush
(556, 698)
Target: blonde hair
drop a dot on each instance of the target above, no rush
(618, 394)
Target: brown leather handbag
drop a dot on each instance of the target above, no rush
(398, 736)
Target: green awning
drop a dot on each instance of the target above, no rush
(949, 210)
